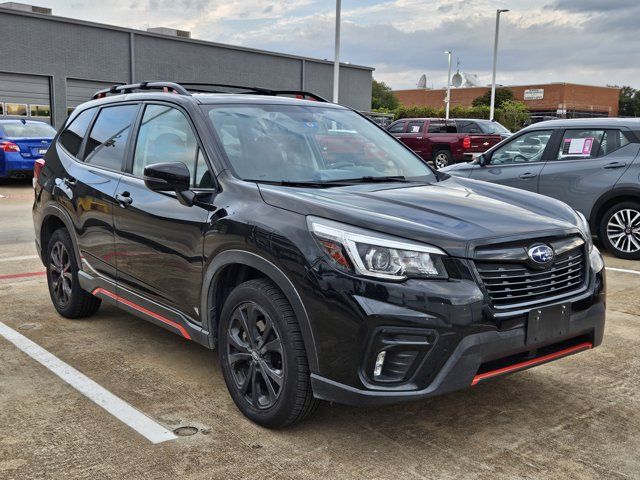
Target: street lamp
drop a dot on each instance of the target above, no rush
(336, 60)
(448, 100)
(495, 59)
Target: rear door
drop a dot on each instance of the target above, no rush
(413, 137)
(93, 164)
(159, 241)
(587, 163)
(517, 163)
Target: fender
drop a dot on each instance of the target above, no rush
(274, 273)
(626, 191)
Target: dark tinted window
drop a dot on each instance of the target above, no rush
(440, 126)
(415, 127)
(397, 127)
(464, 126)
(72, 137)
(108, 139)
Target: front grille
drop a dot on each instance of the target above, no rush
(512, 285)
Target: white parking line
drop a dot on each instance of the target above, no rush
(145, 426)
(17, 259)
(623, 270)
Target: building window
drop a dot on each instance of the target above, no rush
(69, 110)
(16, 109)
(40, 111)
(1, 108)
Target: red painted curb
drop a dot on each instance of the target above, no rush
(22, 275)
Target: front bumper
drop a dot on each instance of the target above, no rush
(464, 366)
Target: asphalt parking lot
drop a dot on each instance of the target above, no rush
(578, 417)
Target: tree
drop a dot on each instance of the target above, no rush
(629, 102)
(513, 114)
(502, 95)
(382, 96)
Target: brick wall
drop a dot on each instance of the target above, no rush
(556, 95)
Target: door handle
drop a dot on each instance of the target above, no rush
(612, 165)
(124, 199)
(70, 181)
(528, 175)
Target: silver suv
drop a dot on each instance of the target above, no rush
(591, 164)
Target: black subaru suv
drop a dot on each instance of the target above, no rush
(319, 255)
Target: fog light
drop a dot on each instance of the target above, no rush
(377, 371)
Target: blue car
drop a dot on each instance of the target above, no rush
(22, 142)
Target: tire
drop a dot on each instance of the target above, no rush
(620, 230)
(278, 355)
(68, 298)
(442, 158)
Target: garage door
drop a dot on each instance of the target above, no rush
(24, 96)
(80, 91)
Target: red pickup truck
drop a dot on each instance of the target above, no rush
(448, 141)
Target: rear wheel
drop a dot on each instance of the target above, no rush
(69, 299)
(620, 230)
(262, 355)
(442, 158)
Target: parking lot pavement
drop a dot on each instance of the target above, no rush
(578, 417)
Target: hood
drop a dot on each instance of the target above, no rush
(462, 169)
(454, 214)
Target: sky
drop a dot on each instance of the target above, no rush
(582, 41)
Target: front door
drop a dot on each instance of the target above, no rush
(517, 163)
(159, 241)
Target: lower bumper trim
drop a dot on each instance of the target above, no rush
(531, 363)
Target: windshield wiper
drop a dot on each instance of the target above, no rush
(369, 179)
(291, 183)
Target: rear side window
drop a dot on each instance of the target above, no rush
(107, 142)
(439, 126)
(415, 127)
(72, 136)
(397, 127)
(589, 143)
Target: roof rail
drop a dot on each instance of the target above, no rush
(168, 87)
(184, 88)
(250, 90)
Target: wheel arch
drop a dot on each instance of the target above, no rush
(53, 218)
(606, 201)
(250, 265)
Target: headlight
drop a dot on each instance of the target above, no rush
(374, 254)
(583, 224)
(596, 260)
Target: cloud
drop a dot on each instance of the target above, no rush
(584, 41)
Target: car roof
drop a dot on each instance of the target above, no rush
(211, 99)
(605, 122)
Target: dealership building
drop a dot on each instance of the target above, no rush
(568, 100)
(52, 64)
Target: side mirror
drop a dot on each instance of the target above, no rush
(482, 160)
(170, 177)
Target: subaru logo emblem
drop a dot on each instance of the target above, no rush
(541, 255)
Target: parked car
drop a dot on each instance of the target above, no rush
(448, 141)
(321, 268)
(591, 164)
(22, 142)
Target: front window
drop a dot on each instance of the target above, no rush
(528, 147)
(291, 143)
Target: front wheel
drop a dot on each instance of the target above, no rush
(620, 230)
(442, 158)
(262, 355)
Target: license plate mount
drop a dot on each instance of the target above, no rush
(549, 322)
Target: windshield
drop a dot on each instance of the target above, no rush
(28, 130)
(299, 143)
(493, 128)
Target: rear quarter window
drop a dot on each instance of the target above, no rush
(72, 136)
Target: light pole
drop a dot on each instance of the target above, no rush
(336, 60)
(495, 60)
(448, 101)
